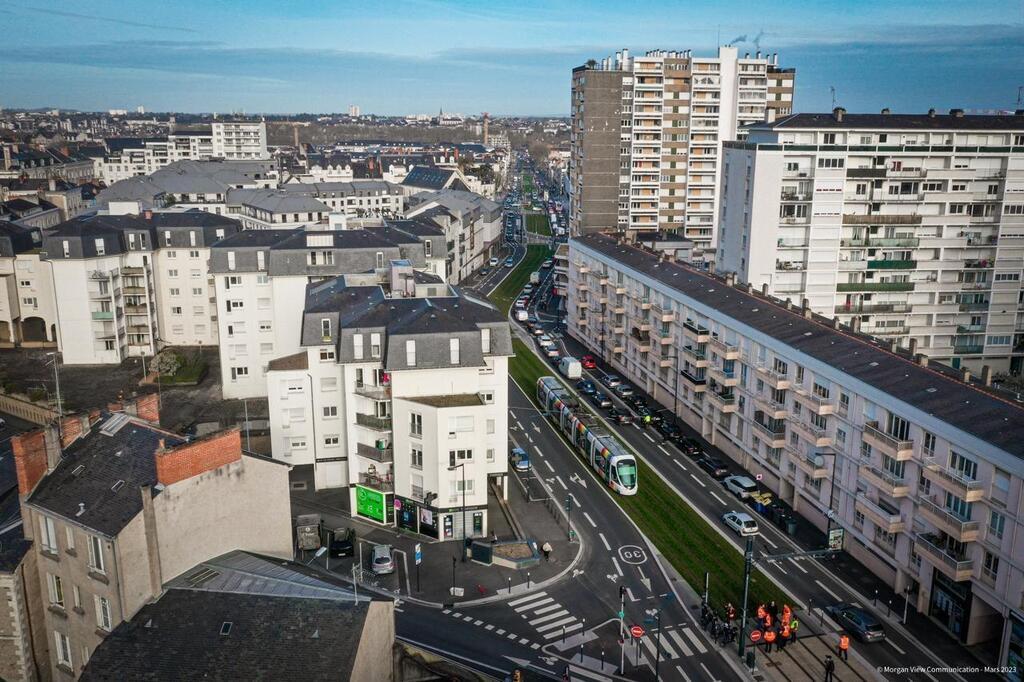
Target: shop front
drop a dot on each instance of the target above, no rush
(375, 505)
(950, 604)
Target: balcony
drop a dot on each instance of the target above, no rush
(384, 484)
(772, 378)
(884, 518)
(961, 530)
(813, 466)
(723, 376)
(955, 567)
(774, 436)
(134, 291)
(129, 270)
(874, 286)
(662, 315)
(374, 422)
(725, 402)
(136, 310)
(727, 350)
(103, 314)
(971, 349)
(884, 481)
(814, 435)
(973, 306)
(770, 407)
(699, 383)
(815, 403)
(373, 392)
(698, 358)
(883, 242)
(696, 331)
(955, 482)
(892, 264)
(970, 328)
(900, 450)
(383, 455)
(645, 304)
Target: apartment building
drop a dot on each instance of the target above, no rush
(115, 506)
(228, 140)
(647, 134)
(927, 466)
(358, 198)
(471, 224)
(126, 285)
(400, 394)
(910, 226)
(28, 307)
(259, 276)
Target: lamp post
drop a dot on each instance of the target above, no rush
(831, 494)
(56, 381)
(465, 535)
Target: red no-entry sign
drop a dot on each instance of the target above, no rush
(755, 636)
(636, 631)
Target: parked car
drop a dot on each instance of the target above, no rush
(611, 380)
(519, 459)
(588, 362)
(586, 386)
(545, 341)
(538, 330)
(3, 424)
(623, 390)
(740, 486)
(485, 271)
(532, 319)
(861, 624)
(741, 522)
(619, 417)
(382, 560)
(668, 431)
(493, 262)
(546, 264)
(343, 542)
(713, 466)
(527, 288)
(553, 353)
(600, 399)
(690, 446)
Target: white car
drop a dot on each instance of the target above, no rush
(546, 264)
(545, 341)
(528, 288)
(741, 522)
(381, 560)
(520, 303)
(740, 486)
(493, 262)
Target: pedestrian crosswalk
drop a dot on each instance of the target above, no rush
(548, 617)
(676, 641)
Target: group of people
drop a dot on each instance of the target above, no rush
(777, 630)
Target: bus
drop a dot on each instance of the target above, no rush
(614, 464)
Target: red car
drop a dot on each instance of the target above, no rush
(588, 362)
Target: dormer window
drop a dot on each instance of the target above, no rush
(325, 329)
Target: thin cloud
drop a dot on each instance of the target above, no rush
(109, 20)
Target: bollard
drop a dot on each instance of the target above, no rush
(527, 580)
(874, 602)
(602, 660)
(888, 610)
(510, 584)
(581, 653)
(563, 634)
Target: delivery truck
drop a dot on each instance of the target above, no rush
(570, 368)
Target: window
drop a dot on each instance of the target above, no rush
(331, 441)
(266, 348)
(357, 346)
(63, 648)
(965, 467)
(410, 353)
(197, 291)
(102, 613)
(55, 588)
(101, 248)
(453, 351)
(330, 412)
(456, 456)
(996, 524)
(325, 329)
(487, 397)
(326, 354)
(329, 384)
(929, 444)
(261, 260)
(416, 458)
(265, 326)
(172, 273)
(263, 303)
(48, 534)
(239, 372)
(457, 425)
(374, 345)
(96, 562)
(828, 138)
(1001, 481)
(485, 340)
(76, 597)
(231, 260)
(490, 426)
(830, 163)
(990, 569)
(69, 540)
(415, 424)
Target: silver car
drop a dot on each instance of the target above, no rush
(382, 561)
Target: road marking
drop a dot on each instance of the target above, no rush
(557, 624)
(604, 540)
(797, 564)
(446, 611)
(708, 673)
(548, 465)
(550, 616)
(499, 631)
(674, 634)
(822, 586)
(768, 540)
(467, 618)
(679, 668)
(456, 615)
(617, 569)
(702, 484)
(477, 623)
(576, 671)
(630, 593)
(547, 609)
(594, 525)
(696, 642)
(529, 438)
(649, 646)
(568, 629)
(648, 436)
(535, 646)
(902, 652)
(533, 605)
(512, 635)
(717, 498)
(662, 448)
(523, 600)
(519, 424)
(524, 641)
(488, 627)
(399, 610)
(561, 482)
(857, 605)
(681, 465)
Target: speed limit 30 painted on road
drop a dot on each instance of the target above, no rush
(632, 554)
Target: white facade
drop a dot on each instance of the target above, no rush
(186, 298)
(240, 140)
(28, 306)
(911, 225)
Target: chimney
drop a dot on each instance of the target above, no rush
(956, 113)
(805, 304)
(808, 313)
(746, 55)
(36, 453)
(922, 359)
(52, 183)
(148, 214)
(789, 304)
(838, 114)
(72, 427)
(835, 322)
(775, 58)
(931, 113)
(198, 457)
(145, 407)
(913, 347)
(965, 375)
(986, 375)
(855, 324)
(886, 112)
(764, 289)
(730, 280)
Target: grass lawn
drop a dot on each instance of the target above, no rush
(538, 223)
(679, 533)
(507, 291)
(192, 371)
(527, 184)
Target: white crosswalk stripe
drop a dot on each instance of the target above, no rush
(524, 600)
(556, 624)
(674, 634)
(534, 604)
(576, 672)
(696, 642)
(550, 616)
(547, 609)
(568, 628)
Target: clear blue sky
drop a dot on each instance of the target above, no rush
(413, 56)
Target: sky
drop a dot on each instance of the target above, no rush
(504, 57)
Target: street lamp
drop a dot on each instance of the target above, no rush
(465, 536)
(831, 494)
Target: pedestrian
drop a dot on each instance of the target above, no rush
(784, 634)
(830, 668)
(546, 548)
(774, 610)
(844, 646)
(794, 625)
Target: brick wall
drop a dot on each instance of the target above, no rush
(29, 459)
(145, 407)
(198, 456)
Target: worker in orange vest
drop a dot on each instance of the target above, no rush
(844, 646)
(767, 621)
(786, 614)
(784, 636)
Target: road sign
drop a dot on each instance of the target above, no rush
(419, 554)
(637, 631)
(835, 539)
(622, 614)
(755, 635)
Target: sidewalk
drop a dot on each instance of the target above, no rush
(480, 583)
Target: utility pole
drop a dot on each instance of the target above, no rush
(748, 564)
(568, 515)
(622, 629)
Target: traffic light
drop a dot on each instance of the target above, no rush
(622, 592)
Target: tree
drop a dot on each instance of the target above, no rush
(166, 363)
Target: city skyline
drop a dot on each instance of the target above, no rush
(508, 59)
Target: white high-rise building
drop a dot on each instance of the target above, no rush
(240, 140)
(909, 226)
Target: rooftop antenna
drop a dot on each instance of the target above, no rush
(832, 89)
(1020, 95)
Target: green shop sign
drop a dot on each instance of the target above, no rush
(370, 503)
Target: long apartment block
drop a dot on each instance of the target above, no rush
(927, 464)
(647, 134)
(910, 226)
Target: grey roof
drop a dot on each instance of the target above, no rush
(13, 544)
(432, 177)
(930, 390)
(420, 228)
(181, 637)
(15, 239)
(354, 188)
(275, 201)
(900, 121)
(187, 177)
(93, 464)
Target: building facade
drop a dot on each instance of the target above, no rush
(647, 134)
(911, 226)
(28, 306)
(921, 466)
(400, 393)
